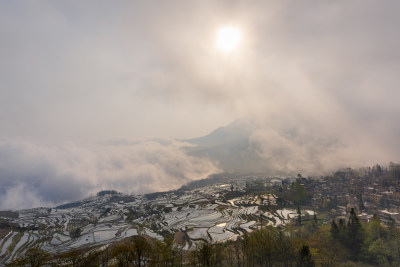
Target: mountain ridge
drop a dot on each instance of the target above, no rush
(230, 147)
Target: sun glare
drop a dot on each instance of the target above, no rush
(228, 38)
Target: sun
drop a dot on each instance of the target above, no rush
(228, 38)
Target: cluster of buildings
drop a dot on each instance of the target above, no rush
(368, 194)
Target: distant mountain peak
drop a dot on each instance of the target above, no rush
(229, 147)
(238, 129)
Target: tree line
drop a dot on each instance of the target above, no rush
(341, 243)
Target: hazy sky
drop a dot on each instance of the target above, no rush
(83, 81)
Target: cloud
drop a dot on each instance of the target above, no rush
(21, 197)
(289, 147)
(319, 78)
(120, 65)
(32, 174)
(284, 145)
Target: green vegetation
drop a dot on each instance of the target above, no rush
(335, 236)
(341, 243)
(75, 233)
(34, 257)
(70, 205)
(106, 192)
(8, 214)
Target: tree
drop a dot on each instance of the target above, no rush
(301, 195)
(238, 251)
(355, 233)
(379, 251)
(205, 253)
(91, 259)
(164, 253)
(326, 250)
(334, 230)
(298, 215)
(394, 170)
(71, 258)
(285, 249)
(75, 233)
(264, 245)
(375, 228)
(391, 222)
(305, 259)
(377, 170)
(122, 254)
(133, 251)
(140, 250)
(34, 257)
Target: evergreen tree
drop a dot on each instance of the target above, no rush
(391, 222)
(334, 230)
(315, 218)
(298, 215)
(305, 258)
(355, 234)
